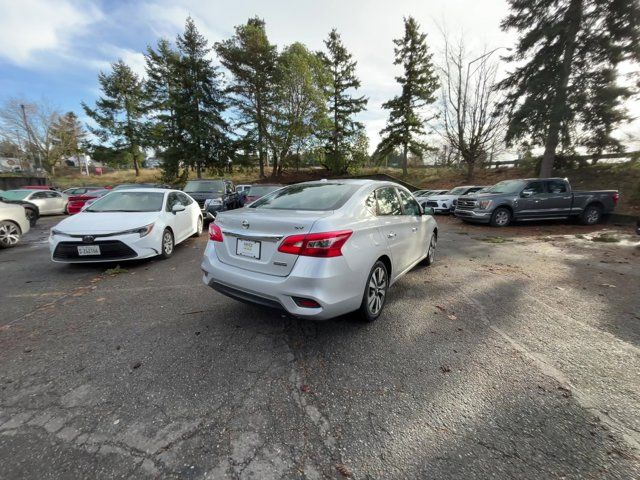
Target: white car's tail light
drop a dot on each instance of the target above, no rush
(215, 234)
(326, 244)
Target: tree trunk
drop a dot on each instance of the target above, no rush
(198, 170)
(135, 162)
(260, 138)
(471, 165)
(405, 149)
(573, 19)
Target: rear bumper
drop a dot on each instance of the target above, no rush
(473, 215)
(328, 281)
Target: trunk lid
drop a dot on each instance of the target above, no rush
(249, 233)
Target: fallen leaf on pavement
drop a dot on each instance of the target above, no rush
(442, 309)
(304, 388)
(344, 471)
(452, 317)
(136, 365)
(445, 368)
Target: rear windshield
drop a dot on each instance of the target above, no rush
(215, 186)
(128, 202)
(313, 196)
(16, 194)
(259, 190)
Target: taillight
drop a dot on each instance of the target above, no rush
(616, 197)
(215, 234)
(326, 244)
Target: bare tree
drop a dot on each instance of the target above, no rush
(29, 125)
(472, 125)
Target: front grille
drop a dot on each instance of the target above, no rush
(109, 249)
(466, 203)
(200, 203)
(432, 203)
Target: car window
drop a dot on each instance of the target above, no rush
(53, 195)
(388, 202)
(39, 195)
(535, 187)
(409, 205)
(172, 200)
(184, 199)
(370, 203)
(557, 186)
(321, 196)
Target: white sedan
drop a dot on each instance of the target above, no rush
(127, 225)
(13, 224)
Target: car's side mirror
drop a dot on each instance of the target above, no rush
(178, 207)
(526, 193)
(428, 211)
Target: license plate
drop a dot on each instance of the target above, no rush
(89, 250)
(248, 248)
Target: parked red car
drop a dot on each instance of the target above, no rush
(76, 202)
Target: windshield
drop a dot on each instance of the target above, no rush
(215, 186)
(259, 190)
(457, 191)
(128, 202)
(310, 196)
(506, 186)
(16, 194)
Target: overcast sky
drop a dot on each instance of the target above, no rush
(54, 49)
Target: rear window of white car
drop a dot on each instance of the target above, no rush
(311, 196)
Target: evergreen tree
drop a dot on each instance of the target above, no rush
(342, 106)
(68, 136)
(200, 104)
(162, 88)
(419, 83)
(119, 112)
(251, 60)
(568, 84)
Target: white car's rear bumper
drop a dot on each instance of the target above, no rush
(328, 281)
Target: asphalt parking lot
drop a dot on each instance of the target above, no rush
(517, 355)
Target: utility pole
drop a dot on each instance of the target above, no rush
(29, 135)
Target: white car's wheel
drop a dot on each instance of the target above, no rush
(10, 234)
(199, 227)
(431, 252)
(375, 292)
(168, 244)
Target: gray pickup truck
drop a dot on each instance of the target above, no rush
(535, 199)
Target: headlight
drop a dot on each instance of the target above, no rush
(56, 232)
(484, 204)
(143, 231)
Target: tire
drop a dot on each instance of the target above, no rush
(199, 228)
(591, 215)
(431, 251)
(376, 286)
(167, 245)
(10, 234)
(501, 217)
(31, 216)
(66, 209)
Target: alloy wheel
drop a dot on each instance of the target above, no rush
(9, 234)
(167, 243)
(377, 290)
(431, 256)
(593, 215)
(502, 217)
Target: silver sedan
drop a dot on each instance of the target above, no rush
(321, 249)
(49, 202)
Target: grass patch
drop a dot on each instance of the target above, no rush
(495, 239)
(117, 270)
(605, 238)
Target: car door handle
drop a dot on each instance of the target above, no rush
(391, 235)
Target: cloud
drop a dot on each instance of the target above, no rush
(29, 28)
(134, 59)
